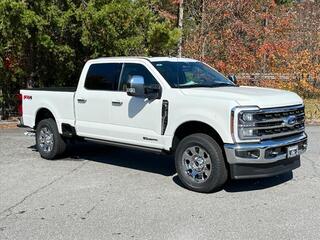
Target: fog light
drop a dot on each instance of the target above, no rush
(273, 152)
(247, 132)
(254, 154)
(304, 145)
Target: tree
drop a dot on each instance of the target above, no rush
(233, 35)
(13, 31)
(126, 28)
(46, 43)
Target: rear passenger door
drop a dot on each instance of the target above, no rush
(92, 101)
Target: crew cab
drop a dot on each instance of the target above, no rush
(215, 128)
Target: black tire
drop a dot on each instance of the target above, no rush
(58, 145)
(210, 148)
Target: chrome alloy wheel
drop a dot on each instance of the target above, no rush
(46, 139)
(197, 164)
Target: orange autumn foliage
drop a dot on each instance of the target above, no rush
(267, 44)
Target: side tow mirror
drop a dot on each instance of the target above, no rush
(233, 78)
(135, 86)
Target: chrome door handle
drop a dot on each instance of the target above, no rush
(81, 100)
(117, 103)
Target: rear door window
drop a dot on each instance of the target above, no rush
(103, 76)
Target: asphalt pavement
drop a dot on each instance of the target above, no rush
(103, 192)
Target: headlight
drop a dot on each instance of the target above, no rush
(244, 124)
(247, 116)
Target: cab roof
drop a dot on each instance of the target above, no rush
(170, 59)
(154, 59)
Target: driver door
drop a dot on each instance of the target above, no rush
(135, 120)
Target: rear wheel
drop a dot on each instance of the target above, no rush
(49, 142)
(200, 163)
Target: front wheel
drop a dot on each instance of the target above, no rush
(200, 163)
(49, 142)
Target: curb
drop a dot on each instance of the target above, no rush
(313, 122)
(8, 124)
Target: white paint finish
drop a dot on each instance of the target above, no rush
(213, 111)
(150, 59)
(248, 96)
(128, 123)
(92, 116)
(171, 59)
(137, 118)
(59, 103)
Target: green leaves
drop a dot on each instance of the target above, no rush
(162, 41)
(125, 28)
(49, 41)
(284, 1)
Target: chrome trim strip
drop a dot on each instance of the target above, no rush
(268, 127)
(276, 109)
(276, 135)
(274, 120)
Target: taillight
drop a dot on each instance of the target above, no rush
(19, 98)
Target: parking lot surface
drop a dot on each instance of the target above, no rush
(103, 192)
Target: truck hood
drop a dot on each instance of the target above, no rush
(248, 96)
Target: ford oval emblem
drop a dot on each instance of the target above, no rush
(291, 120)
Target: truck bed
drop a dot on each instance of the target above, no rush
(58, 100)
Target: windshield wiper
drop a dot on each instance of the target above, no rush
(224, 85)
(195, 86)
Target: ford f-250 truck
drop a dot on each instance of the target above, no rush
(214, 128)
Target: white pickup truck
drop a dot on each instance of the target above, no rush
(178, 106)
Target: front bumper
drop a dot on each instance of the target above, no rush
(264, 159)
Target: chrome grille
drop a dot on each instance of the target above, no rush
(277, 122)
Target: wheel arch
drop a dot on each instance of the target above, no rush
(43, 113)
(191, 127)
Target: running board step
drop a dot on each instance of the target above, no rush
(117, 144)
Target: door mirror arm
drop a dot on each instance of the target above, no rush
(153, 91)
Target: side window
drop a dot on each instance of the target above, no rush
(131, 69)
(103, 76)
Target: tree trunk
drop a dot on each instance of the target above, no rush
(180, 26)
(265, 24)
(2, 106)
(203, 44)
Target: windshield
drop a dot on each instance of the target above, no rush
(191, 74)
